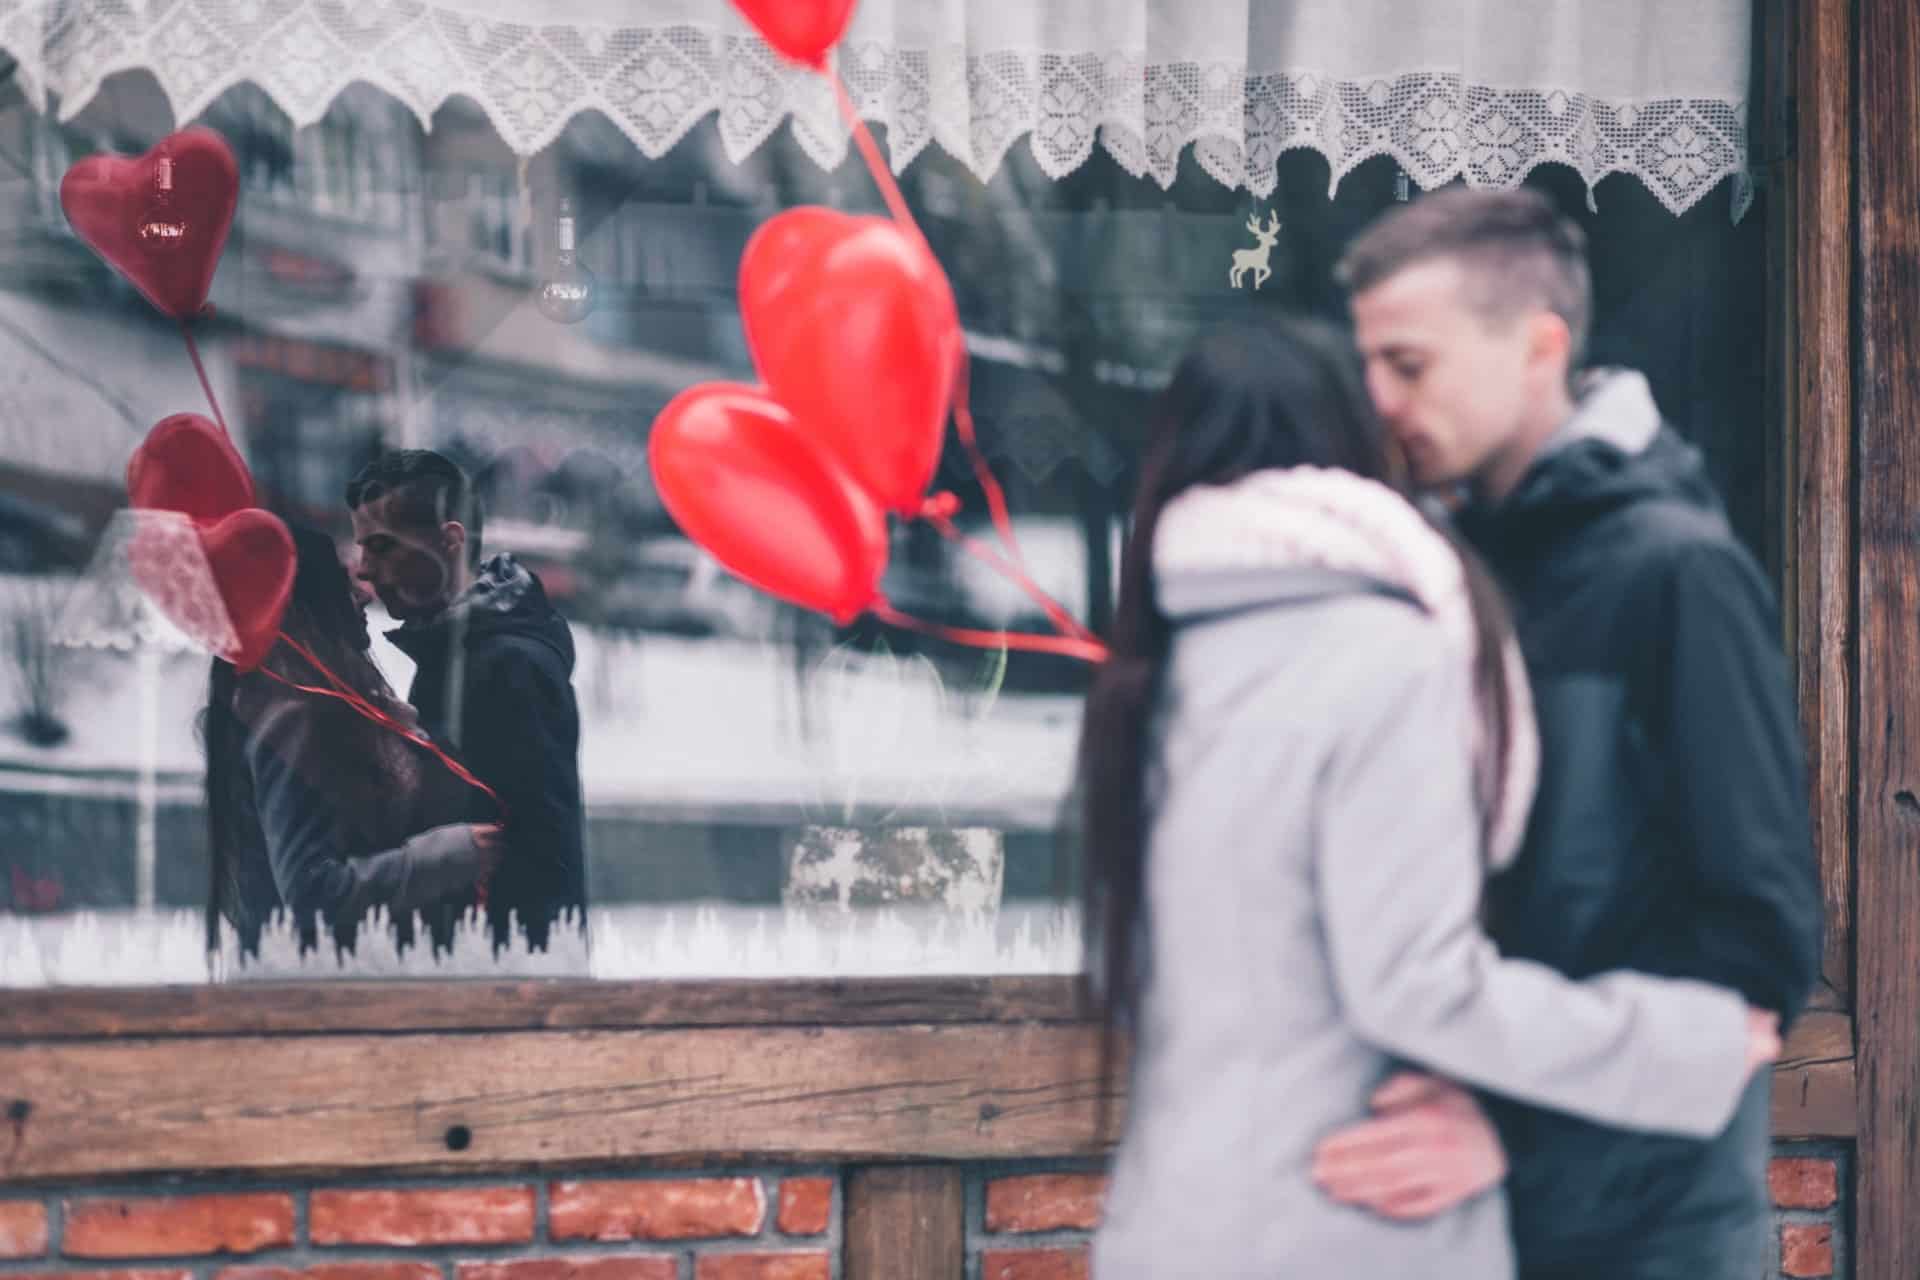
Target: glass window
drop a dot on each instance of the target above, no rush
(760, 791)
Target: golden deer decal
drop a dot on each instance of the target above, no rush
(1255, 259)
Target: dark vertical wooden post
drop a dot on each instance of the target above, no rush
(1770, 149)
(1887, 818)
(1096, 531)
(906, 1220)
(1820, 431)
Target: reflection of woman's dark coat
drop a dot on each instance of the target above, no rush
(346, 816)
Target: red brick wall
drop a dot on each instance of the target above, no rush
(1033, 1223)
(752, 1225)
(1810, 1186)
(1027, 1222)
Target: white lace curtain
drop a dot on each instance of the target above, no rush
(1484, 90)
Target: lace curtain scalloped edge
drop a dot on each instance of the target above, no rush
(655, 84)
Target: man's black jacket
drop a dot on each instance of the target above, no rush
(1671, 832)
(494, 679)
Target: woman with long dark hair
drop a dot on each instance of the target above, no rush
(1312, 742)
(314, 809)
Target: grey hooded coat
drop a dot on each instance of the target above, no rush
(1314, 873)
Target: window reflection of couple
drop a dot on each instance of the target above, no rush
(318, 810)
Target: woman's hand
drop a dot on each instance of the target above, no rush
(490, 842)
(1763, 1038)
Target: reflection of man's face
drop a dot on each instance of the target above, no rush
(412, 568)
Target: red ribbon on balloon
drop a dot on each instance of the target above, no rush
(857, 341)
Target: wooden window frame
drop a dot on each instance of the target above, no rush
(309, 1078)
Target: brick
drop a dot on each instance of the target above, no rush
(1045, 1202)
(1804, 1183)
(806, 1206)
(635, 1266)
(177, 1226)
(464, 1215)
(763, 1266)
(1034, 1264)
(1806, 1252)
(393, 1270)
(656, 1209)
(23, 1229)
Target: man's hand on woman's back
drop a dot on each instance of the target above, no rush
(1763, 1038)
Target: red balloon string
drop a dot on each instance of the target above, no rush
(997, 509)
(1015, 568)
(935, 513)
(193, 352)
(870, 152)
(386, 720)
(1064, 646)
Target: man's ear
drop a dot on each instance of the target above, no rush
(453, 539)
(1549, 344)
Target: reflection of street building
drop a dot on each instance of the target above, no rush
(377, 292)
(314, 411)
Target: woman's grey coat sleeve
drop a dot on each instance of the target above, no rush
(1398, 864)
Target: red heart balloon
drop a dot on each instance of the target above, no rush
(188, 464)
(853, 327)
(252, 556)
(802, 29)
(225, 586)
(743, 480)
(160, 219)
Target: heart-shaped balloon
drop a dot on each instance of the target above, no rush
(252, 556)
(226, 585)
(160, 219)
(188, 464)
(853, 327)
(802, 29)
(745, 481)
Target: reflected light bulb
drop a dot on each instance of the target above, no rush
(162, 229)
(567, 294)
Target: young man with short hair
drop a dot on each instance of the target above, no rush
(1671, 833)
(493, 678)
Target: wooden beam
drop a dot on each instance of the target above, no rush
(906, 1221)
(1814, 1101)
(1820, 411)
(563, 1004)
(1886, 49)
(285, 1104)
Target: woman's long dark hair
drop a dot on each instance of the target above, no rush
(1280, 393)
(324, 616)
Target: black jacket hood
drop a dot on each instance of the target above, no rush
(504, 600)
(1613, 452)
